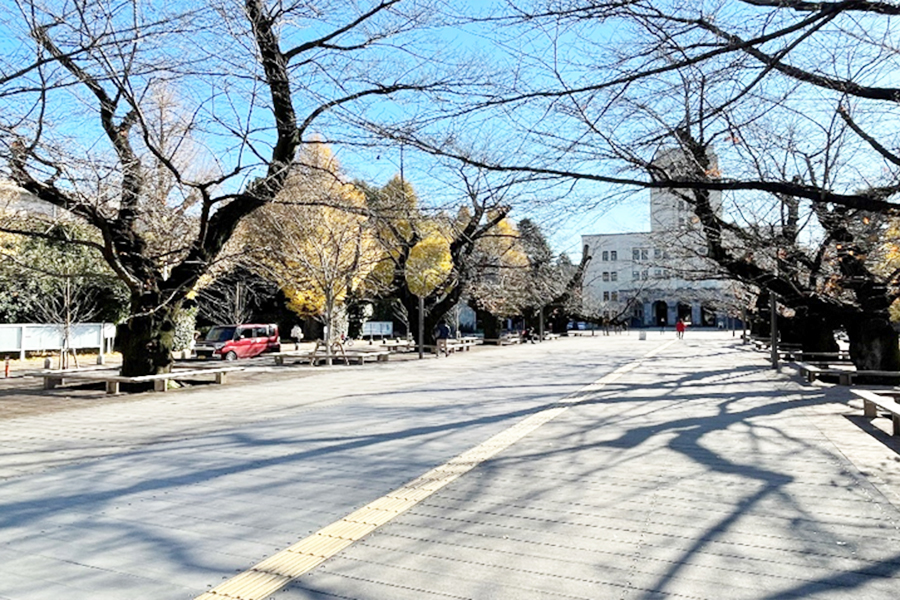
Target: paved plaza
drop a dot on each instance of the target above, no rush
(588, 468)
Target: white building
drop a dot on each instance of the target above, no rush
(659, 276)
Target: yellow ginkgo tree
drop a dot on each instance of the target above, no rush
(321, 246)
(430, 257)
(429, 263)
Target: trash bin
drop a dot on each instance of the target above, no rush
(642, 335)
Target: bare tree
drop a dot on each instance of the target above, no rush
(255, 78)
(233, 296)
(796, 98)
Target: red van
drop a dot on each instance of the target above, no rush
(230, 342)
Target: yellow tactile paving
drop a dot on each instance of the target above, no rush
(290, 564)
(320, 545)
(371, 516)
(397, 505)
(346, 530)
(416, 494)
(277, 571)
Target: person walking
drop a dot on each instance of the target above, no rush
(442, 334)
(297, 335)
(679, 329)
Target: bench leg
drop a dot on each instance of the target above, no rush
(869, 409)
(52, 382)
(220, 377)
(279, 360)
(810, 376)
(112, 387)
(845, 379)
(160, 385)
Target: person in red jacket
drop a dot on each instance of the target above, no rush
(679, 328)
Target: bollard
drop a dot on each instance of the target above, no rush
(642, 335)
(6, 368)
(48, 362)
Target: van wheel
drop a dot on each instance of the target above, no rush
(231, 356)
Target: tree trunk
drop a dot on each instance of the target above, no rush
(814, 332)
(149, 337)
(490, 323)
(873, 344)
(329, 330)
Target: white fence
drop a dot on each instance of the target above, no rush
(31, 337)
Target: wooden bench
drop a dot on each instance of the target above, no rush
(112, 379)
(464, 344)
(504, 340)
(361, 356)
(766, 344)
(280, 356)
(884, 400)
(346, 355)
(841, 356)
(454, 345)
(396, 345)
(549, 337)
(844, 376)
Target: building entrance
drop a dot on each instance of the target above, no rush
(708, 316)
(661, 313)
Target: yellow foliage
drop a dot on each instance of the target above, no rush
(305, 303)
(503, 287)
(322, 245)
(890, 262)
(429, 264)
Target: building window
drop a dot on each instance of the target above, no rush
(605, 275)
(606, 296)
(613, 255)
(645, 254)
(645, 274)
(636, 254)
(657, 253)
(605, 255)
(635, 275)
(614, 276)
(614, 296)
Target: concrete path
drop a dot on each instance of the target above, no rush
(695, 472)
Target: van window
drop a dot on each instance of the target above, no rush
(245, 332)
(261, 331)
(220, 334)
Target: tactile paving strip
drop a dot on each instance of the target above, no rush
(277, 571)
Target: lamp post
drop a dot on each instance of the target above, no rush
(773, 330)
(421, 327)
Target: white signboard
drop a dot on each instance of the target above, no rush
(379, 328)
(23, 337)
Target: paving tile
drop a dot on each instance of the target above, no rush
(723, 479)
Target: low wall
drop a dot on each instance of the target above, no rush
(33, 337)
